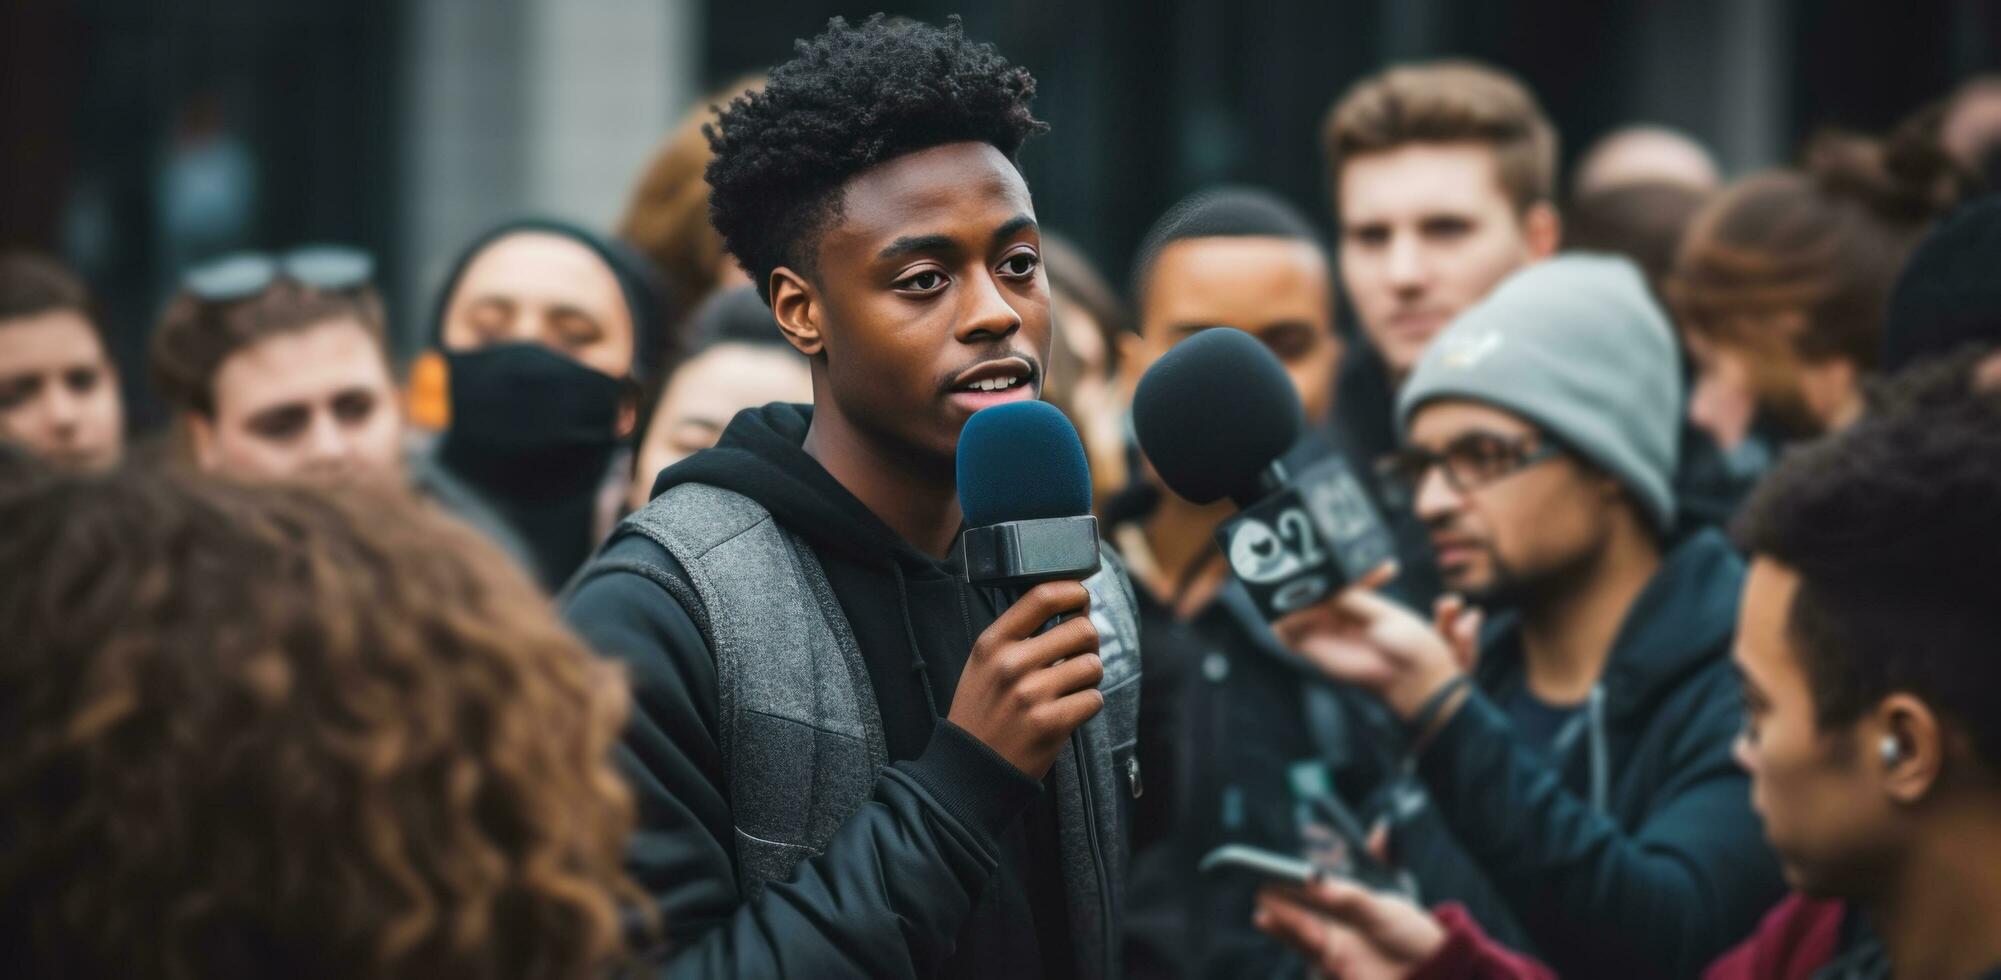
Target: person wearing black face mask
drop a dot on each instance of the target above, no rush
(549, 335)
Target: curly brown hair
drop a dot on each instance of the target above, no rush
(271, 732)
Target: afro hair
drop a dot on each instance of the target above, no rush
(852, 98)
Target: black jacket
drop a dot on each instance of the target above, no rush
(1244, 743)
(949, 870)
(1259, 744)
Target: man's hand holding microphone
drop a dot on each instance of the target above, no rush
(1032, 678)
(1024, 690)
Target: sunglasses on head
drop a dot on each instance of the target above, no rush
(241, 275)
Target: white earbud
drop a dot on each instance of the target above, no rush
(1891, 751)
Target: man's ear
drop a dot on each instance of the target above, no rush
(201, 441)
(1542, 228)
(796, 307)
(1912, 749)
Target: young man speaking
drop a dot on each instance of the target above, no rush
(847, 762)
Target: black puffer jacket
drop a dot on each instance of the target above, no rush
(952, 867)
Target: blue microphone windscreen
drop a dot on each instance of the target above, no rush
(1021, 461)
(1214, 412)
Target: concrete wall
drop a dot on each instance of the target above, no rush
(530, 107)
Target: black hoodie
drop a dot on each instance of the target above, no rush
(940, 874)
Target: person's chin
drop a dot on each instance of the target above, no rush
(1402, 361)
(1404, 345)
(77, 461)
(1488, 592)
(1464, 577)
(1803, 878)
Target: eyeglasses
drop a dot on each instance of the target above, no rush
(241, 275)
(1470, 462)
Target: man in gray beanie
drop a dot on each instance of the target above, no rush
(1539, 443)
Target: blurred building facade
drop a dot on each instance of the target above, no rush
(141, 135)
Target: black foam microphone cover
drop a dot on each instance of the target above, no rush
(1025, 489)
(1214, 413)
(1020, 462)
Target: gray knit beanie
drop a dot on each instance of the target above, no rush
(1576, 345)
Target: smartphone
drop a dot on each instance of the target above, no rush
(1260, 862)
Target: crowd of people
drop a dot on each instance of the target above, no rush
(627, 629)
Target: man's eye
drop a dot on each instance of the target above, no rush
(1480, 458)
(282, 424)
(1291, 343)
(490, 318)
(1476, 450)
(1370, 235)
(575, 330)
(15, 392)
(922, 282)
(354, 407)
(1446, 227)
(1020, 265)
(82, 380)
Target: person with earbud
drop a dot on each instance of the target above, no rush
(1872, 720)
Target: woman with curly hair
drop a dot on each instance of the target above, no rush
(253, 732)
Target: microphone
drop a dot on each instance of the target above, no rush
(1215, 416)
(1025, 489)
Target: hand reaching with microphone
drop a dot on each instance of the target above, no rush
(1015, 695)
(1361, 638)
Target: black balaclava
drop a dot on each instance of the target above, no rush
(533, 431)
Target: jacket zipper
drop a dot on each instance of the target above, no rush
(1097, 851)
(1099, 866)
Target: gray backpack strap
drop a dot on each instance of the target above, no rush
(801, 736)
(1094, 794)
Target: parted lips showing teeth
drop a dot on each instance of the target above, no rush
(996, 375)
